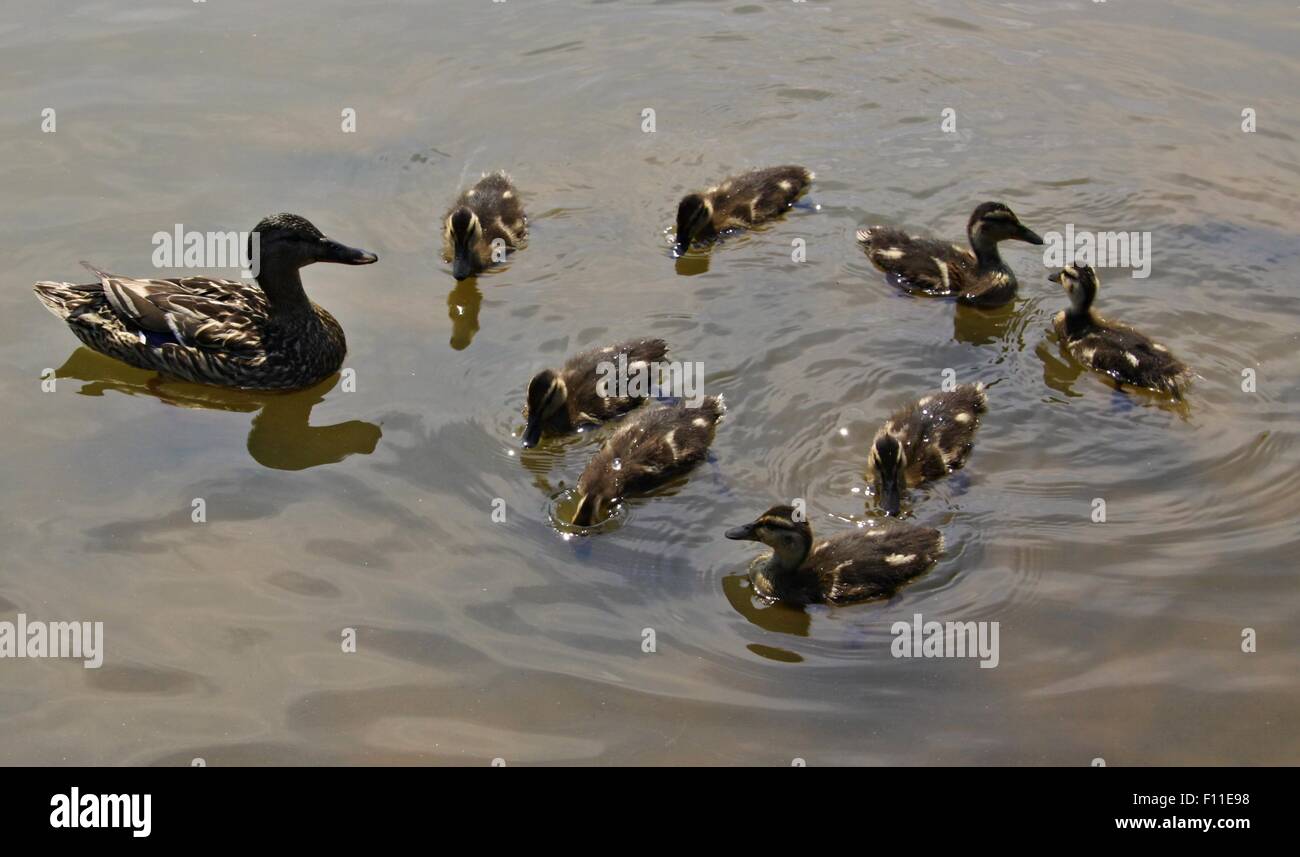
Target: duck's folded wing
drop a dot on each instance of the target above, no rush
(197, 312)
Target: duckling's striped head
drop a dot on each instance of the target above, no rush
(694, 213)
(292, 241)
(1080, 283)
(888, 464)
(992, 222)
(778, 529)
(546, 395)
(463, 233)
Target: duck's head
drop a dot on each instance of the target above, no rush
(287, 240)
(789, 539)
(694, 213)
(1080, 283)
(889, 463)
(546, 395)
(463, 232)
(992, 222)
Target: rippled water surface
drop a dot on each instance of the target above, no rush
(371, 509)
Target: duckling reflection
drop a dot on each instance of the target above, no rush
(280, 437)
(777, 617)
(463, 304)
(984, 325)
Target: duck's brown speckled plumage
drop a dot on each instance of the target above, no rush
(977, 276)
(651, 447)
(1116, 350)
(924, 440)
(740, 202)
(866, 563)
(570, 398)
(212, 331)
(495, 212)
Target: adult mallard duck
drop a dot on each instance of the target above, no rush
(560, 402)
(1125, 355)
(484, 223)
(925, 440)
(738, 202)
(926, 266)
(650, 448)
(228, 333)
(853, 566)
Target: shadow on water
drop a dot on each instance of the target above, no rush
(280, 437)
(983, 326)
(463, 303)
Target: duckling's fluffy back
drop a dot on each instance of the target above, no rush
(757, 196)
(872, 562)
(1126, 355)
(651, 447)
(936, 432)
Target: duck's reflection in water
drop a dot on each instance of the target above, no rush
(463, 304)
(983, 325)
(280, 437)
(781, 618)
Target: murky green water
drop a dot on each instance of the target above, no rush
(371, 509)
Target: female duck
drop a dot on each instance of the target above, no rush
(1116, 350)
(853, 566)
(486, 218)
(560, 402)
(739, 202)
(925, 266)
(223, 332)
(649, 449)
(925, 440)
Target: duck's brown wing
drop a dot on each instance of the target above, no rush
(874, 562)
(917, 264)
(582, 377)
(197, 312)
(1131, 357)
(758, 195)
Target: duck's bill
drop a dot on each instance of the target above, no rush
(587, 512)
(461, 269)
(741, 534)
(345, 255)
(532, 432)
(1029, 236)
(890, 501)
(1055, 278)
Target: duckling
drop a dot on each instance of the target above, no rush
(926, 266)
(925, 440)
(487, 212)
(853, 566)
(739, 202)
(228, 333)
(560, 402)
(1126, 355)
(650, 448)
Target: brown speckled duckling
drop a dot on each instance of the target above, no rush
(925, 440)
(926, 266)
(1125, 355)
(488, 212)
(853, 566)
(560, 402)
(651, 447)
(739, 202)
